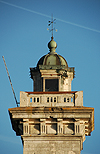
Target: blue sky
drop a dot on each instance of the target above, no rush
(23, 40)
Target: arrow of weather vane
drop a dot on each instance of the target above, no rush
(51, 23)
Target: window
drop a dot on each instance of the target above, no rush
(65, 99)
(51, 84)
(34, 99)
(51, 99)
(47, 99)
(37, 99)
(54, 99)
(31, 100)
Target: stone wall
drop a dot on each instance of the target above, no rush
(52, 146)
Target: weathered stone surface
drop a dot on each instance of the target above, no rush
(68, 146)
(63, 127)
(52, 119)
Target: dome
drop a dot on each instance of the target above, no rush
(52, 59)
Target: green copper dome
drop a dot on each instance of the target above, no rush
(52, 58)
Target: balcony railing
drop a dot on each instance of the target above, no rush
(47, 99)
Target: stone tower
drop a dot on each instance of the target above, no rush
(52, 118)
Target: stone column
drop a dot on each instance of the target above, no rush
(42, 126)
(59, 126)
(77, 127)
(25, 127)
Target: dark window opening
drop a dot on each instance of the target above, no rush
(51, 99)
(34, 99)
(37, 99)
(54, 99)
(64, 99)
(47, 99)
(67, 99)
(51, 85)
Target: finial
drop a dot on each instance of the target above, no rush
(53, 28)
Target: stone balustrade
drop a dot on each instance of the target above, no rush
(48, 99)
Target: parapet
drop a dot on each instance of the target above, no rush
(51, 99)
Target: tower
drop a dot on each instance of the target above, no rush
(52, 118)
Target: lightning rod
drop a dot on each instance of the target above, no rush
(10, 81)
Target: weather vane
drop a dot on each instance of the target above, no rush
(51, 24)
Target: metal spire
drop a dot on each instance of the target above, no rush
(10, 81)
(51, 23)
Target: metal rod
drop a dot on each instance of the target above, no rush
(10, 81)
(52, 25)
